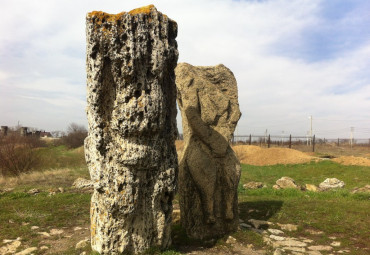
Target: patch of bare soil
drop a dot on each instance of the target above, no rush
(236, 248)
(257, 156)
(352, 161)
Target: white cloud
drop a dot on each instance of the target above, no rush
(265, 44)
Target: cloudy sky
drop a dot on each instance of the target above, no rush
(291, 58)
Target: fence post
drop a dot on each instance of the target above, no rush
(250, 139)
(313, 144)
(290, 141)
(268, 142)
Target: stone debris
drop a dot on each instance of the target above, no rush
(44, 247)
(209, 169)
(335, 244)
(55, 232)
(81, 183)
(286, 183)
(364, 189)
(296, 249)
(275, 231)
(314, 232)
(61, 190)
(131, 111)
(10, 247)
(279, 251)
(231, 240)
(289, 243)
(77, 228)
(245, 225)
(259, 223)
(33, 191)
(311, 187)
(313, 253)
(288, 227)
(277, 238)
(331, 183)
(307, 240)
(46, 234)
(35, 227)
(27, 251)
(253, 185)
(82, 244)
(320, 248)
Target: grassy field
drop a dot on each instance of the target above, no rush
(339, 214)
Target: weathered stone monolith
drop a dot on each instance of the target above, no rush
(209, 169)
(131, 111)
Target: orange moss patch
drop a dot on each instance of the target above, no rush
(103, 16)
(144, 9)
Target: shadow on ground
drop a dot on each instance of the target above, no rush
(259, 210)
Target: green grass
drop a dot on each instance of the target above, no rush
(337, 213)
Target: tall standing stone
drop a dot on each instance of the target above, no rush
(131, 111)
(209, 170)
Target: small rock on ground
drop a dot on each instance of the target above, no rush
(320, 248)
(288, 227)
(275, 231)
(82, 244)
(27, 251)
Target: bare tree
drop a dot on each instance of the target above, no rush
(76, 135)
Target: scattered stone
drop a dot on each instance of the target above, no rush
(275, 231)
(314, 232)
(275, 186)
(332, 237)
(77, 228)
(61, 189)
(27, 251)
(288, 227)
(82, 244)
(311, 187)
(320, 248)
(33, 191)
(208, 100)
(245, 225)
(230, 240)
(5, 241)
(289, 243)
(52, 193)
(277, 238)
(46, 234)
(44, 248)
(313, 253)
(307, 240)
(131, 111)
(34, 227)
(258, 223)
(296, 249)
(286, 183)
(331, 183)
(25, 223)
(11, 221)
(83, 253)
(364, 189)
(55, 232)
(10, 247)
(279, 251)
(335, 244)
(253, 185)
(81, 183)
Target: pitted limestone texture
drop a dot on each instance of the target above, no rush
(131, 111)
(209, 169)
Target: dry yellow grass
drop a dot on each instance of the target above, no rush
(49, 177)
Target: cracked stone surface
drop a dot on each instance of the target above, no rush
(131, 111)
(209, 170)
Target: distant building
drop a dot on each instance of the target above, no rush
(4, 131)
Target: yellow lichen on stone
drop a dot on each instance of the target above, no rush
(103, 16)
(144, 9)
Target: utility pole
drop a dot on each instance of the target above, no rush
(310, 129)
(351, 136)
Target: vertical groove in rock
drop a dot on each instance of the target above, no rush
(131, 111)
(209, 170)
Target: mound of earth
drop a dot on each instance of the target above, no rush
(257, 156)
(352, 161)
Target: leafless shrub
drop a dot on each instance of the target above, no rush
(75, 137)
(18, 154)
